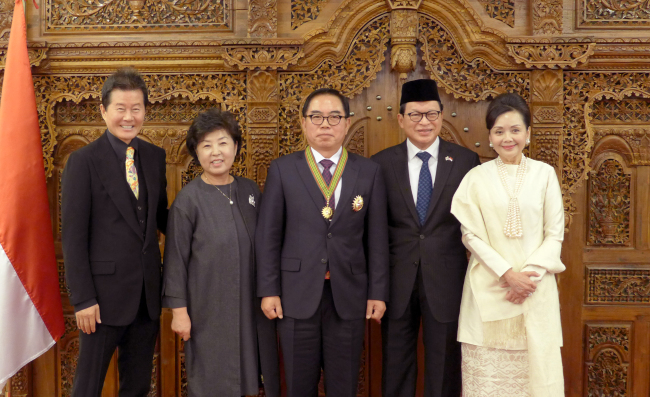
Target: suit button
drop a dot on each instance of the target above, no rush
(139, 208)
(323, 260)
(141, 221)
(329, 235)
(415, 263)
(421, 236)
(144, 252)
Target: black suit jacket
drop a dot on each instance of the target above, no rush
(294, 242)
(436, 246)
(106, 255)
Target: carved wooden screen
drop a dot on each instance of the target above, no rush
(583, 65)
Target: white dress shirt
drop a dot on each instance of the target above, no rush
(334, 159)
(415, 164)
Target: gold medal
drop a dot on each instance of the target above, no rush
(327, 212)
(357, 203)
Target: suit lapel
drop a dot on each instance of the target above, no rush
(247, 210)
(310, 183)
(349, 180)
(400, 167)
(147, 162)
(108, 169)
(442, 174)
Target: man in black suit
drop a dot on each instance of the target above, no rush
(322, 251)
(427, 257)
(113, 200)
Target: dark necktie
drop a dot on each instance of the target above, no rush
(327, 177)
(425, 187)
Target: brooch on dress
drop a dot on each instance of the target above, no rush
(251, 200)
(357, 203)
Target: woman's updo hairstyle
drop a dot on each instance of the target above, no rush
(505, 103)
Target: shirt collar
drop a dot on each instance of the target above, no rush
(119, 146)
(335, 158)
(433, 150)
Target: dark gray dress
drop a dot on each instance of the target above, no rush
(209, 268)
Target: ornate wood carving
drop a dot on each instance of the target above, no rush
(615, 285)
(349, 76)
(637, 139)
(546, 146)
(403, 31)
(21, 382)
(501, 10)
(551, 55)
(608, 357)
(629, 111)
(608, 14)
(609, 205)
(404, 4)
(303, 11)
(68, 352)
(547, 17)
(471, 81)
(263, 18)
(266, 57)
(76, 16)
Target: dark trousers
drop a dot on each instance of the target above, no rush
(323, 340)
(135, 343)
(442, 359)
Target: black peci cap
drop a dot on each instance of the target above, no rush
(419, 91)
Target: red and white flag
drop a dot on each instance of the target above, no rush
(31, 316)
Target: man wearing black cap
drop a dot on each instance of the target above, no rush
(427, 258)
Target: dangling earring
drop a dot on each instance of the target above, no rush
(491, 145)
(527, 141)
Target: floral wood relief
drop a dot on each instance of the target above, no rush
(501, 10)
(474, 80)
(67, 16)
(609, 205)
(611, 111)
(263, 18)
(350, 76)
(547, 17)
(613, 13)
(6, 15)
(303, 11)
(608, 360)
(617, 286)
(547, 146)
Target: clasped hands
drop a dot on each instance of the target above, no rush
(272, 308)
(520, 284)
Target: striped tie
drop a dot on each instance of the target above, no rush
(131, 173)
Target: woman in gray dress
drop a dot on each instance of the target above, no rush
(209, 280)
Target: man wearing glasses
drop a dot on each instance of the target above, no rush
(322, 251)
(427, 256)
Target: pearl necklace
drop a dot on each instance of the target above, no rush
(512, 228)
(224, 194)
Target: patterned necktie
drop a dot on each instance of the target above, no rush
(327, 177)
(425, 187)
(131, 173)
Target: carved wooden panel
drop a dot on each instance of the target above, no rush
(6, 16)
(501, 10)
(303, 11)
(81, 16)
(547, 17)
(626, 14)
(608, 359)
(630, 111)
(616, 285)
(263, 18)
(609, 205)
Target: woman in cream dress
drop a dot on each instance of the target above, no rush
(512, 218)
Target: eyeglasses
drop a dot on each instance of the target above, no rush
(431, 116)
(317, 119)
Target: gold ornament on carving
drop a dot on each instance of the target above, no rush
(303, 11)
(609, 205)
(350, 76)
(263, 18)
(69, 16)
(547, 17)
(501, 10)
(618, 286)
(474, 80)
(551, 55)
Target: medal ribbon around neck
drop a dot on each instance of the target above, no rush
(327, 191)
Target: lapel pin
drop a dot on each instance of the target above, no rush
(251, 200)
(448, 158)
(357, 204)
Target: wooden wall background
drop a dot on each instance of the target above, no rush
(584, 66)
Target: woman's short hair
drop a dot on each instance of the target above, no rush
(209, 121)
(505, 103)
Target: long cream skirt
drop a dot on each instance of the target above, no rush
(489, 372)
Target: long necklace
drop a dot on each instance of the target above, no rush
(224, 194)
(513, 227)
